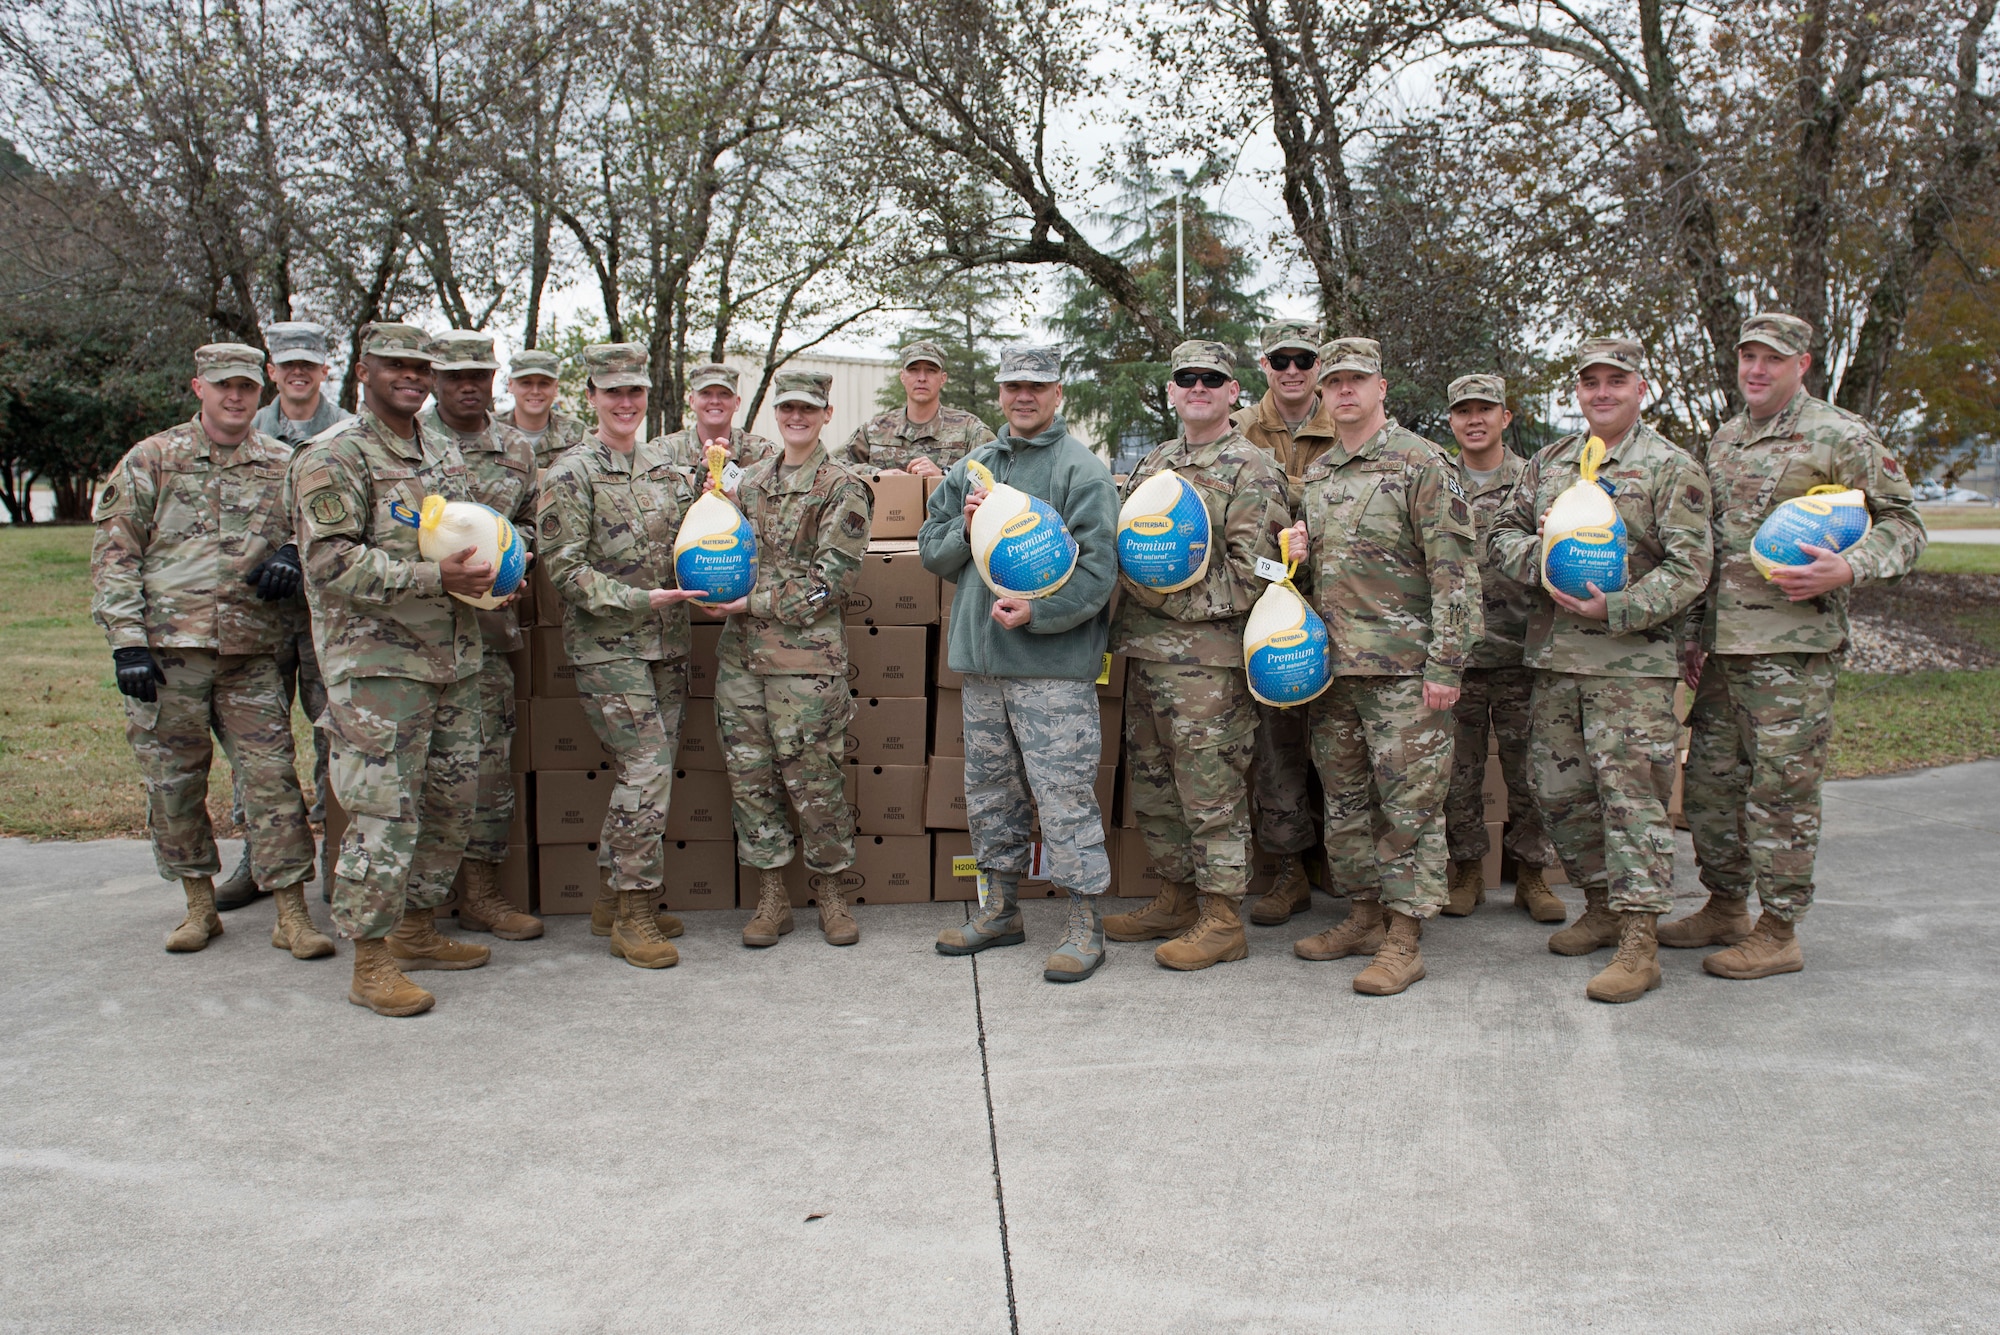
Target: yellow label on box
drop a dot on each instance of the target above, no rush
(964, 868)
(1104, 677)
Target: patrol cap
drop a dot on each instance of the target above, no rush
(922, 350)
(1304, 335)
(711, 373)
(1787, 333)
(1034, 366)
(615, 365)
(1202, 354)
(533, 361)
(1623, 353)
(808, 387)
(296, 341)
(217, 362)
(383, 339)
(1350, 354)
(464, 350)
(1482, 388)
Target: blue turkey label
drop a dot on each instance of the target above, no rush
(1034, 550)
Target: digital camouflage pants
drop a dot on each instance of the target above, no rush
(1033, 744)
(1502, 699)
(240, 699)
(1602, 755)
(1760, 724)
(493, 813)
(1282, 778)
(781, 737)
(1382, 757)
(404, 765)
(635, 704)
(1189, 740)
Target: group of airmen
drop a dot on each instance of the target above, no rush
(1424, 564)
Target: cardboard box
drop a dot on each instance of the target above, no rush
(941, 674)
(521, 755)
(566, 879)
(701, 744)
(944, 794)
(1493, 793)
(948, 734)
(522, 663)
(701, 661)
(1111, 726)
(698, 808)
(570, 805)
(554, 674)
(889, 799)
(1128, 814)
(1134, 876)
(1490, 864)
(899, 504)
(931, 484)
(888, 732)
(893, 589)
(887, 661)
(1111, 682)
(548, 603)
(888, 869)
(701, 874)
(516, 880)
(562, 738)
(954, 871)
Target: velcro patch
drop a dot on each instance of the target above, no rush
(551, 523)
(327, 509)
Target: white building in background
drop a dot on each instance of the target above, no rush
(856, 382)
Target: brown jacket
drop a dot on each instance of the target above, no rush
(1294, 451)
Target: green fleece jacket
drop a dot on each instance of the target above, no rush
(1066, 631)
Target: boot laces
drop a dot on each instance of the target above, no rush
(1079, 929)
(1629, 950)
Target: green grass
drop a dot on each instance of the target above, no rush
(1960, 516)
(1961, 558)
(1887, 723)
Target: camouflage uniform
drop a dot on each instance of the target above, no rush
(781, 699)
(564, 431)
(180, 522)
(892, 440)
(686, 451)
(1601, 747)
(1189, 714)
(1764, 709)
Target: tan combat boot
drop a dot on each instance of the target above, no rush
(416, 944)
(1292, 894)
(380, 985)
(294, 930)
(635, 933)
(1719, 922)
(1398, 963)
(1771, 948)
(1635, 969)
(1216, 938)
(773, 917)
(202, 921)
(1170, 913)
(484, 909)
(1468, 889)
(1594, 930)
(604, 911)
(1359, 933)
(1531, 892)
(836, 922)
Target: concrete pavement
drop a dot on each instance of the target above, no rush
(220, 1142)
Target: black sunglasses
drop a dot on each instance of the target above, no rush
(1285, 361)
(1206, 379)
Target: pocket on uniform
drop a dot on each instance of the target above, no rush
(144, 714)
(362, 768)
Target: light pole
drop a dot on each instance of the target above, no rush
(1180, 250)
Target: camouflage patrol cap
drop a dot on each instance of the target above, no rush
(1350, 354)
(1305, 335)
(217, 362)
(711, 373)
(1623, 353)
(532, 361)
(1787, 333)
(1202, 354)
(1032, 366)
(296, 341)
(922, 350)
(464, 350)
(1481, 388)
(614, 365)
(810, 387)
(385, 339)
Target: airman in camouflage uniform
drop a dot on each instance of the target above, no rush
(898, 442)
(1762, 655)
(1189, 715)
(609, 513)
(533, 371)
(781, 700)
(1497, 690)
(401, 657)
(501, 464)
(1392, 570)
(1602, 738)
(191, 566)
(712, 395)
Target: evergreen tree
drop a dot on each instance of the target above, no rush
(963, 316)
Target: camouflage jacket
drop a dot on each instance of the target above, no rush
(1662, 495)
(1293, 451)
(1504, 603)
(379, 609)
(180, 522)
(606, 539)
(685, 451)
(564, 430)
(892, 440)
(502, 465)
(1393, 570)
(1203, 623)
(271, 420)
(812, 527)
(1754, 467)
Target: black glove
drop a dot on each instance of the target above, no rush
(137, 672)
(279, 576)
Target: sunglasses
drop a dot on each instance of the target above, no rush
(1206, 379)
(1285, 361)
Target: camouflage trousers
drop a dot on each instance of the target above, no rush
(781, 738)
(1761, 724)
(493, 813)
(1282, 778)
(1189, 740)
(1032, 744)
(1382, 757)
(238, 698)
(636, 704)
(1500, 698)
(1602, 755)
(405, 768)
(298, 669)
